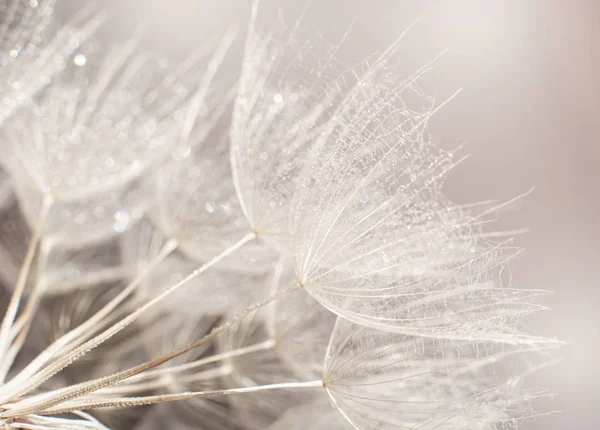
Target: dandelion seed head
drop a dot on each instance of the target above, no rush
(268, 249)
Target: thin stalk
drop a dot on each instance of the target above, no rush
(40, 422)
(48, 400)
(106, 75)
(164, 382)
(65, 361)
(200, 96)
(9, 358)
(275, 282)
(22, 325)
(15, 300)
(267, 344)
(123, 402)
(84, 331)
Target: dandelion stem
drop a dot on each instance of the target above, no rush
(165, 380)
(81, 333)
(275, 282)
(45, 401)
(93, 403)
(65, 361)
(267, 344)
(106, 76)
(22, 325)
(200, 96)
(15, 300)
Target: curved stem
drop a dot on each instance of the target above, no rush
(122, 402)
(84, 331)
(15, 300)
(48, 400)
(80, 351)
(21, 327)
(163, 382)
(267, 344)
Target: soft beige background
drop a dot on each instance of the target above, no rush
(529, 112)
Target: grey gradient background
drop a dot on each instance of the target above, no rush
(529, 113)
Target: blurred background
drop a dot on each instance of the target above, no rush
(529, 115)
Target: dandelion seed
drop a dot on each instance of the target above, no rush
(379, 380)
(373, 238)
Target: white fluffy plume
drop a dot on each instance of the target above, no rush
(183, 246)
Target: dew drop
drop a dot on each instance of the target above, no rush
(80, 60)
(209, 207)
(122, 220)
(15, 52)
(278, 98)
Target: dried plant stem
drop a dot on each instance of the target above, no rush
(15, 300)
(200, 96)
(15, 347)
(165, 380)
(83, 332)
(107, 75)
(22, 325)
(171, 370)
(42, 402)
(122, 402)
(80, 351)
